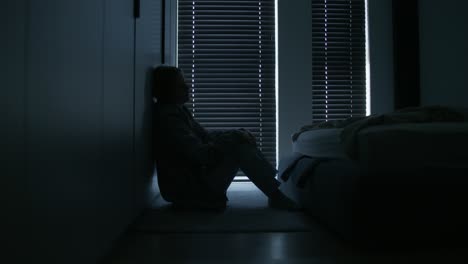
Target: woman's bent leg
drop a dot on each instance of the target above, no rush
(257, 168)
(219, 178)
(249, 159)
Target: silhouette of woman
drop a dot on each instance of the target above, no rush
(195, 167)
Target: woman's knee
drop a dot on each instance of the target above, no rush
(244, 149)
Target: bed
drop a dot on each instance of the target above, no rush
(406, 182)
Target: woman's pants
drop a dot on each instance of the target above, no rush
(242, 156)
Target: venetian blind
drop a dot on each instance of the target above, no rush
(339, 59)
(227, 52)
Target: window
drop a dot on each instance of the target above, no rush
(338, 59)
(227, 52)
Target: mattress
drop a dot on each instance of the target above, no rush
(406, 145)
(415, 145)
(378, 206)
(408, 183)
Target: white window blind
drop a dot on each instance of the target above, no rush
(339, 59)
(227, 52)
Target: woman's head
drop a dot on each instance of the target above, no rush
(169, 85)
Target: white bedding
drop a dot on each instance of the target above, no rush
(320, 143)
(427, 144)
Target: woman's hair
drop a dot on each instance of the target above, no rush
(164, 81)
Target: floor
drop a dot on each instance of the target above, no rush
(140, 246)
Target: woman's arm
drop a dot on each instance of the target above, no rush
(181, 136)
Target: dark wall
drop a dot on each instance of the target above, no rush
(430, 53)
(406, 53)
(444, 53)
(75, 169)
(294, 70)
(14, 196)
(381, 55)
(148, 54)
